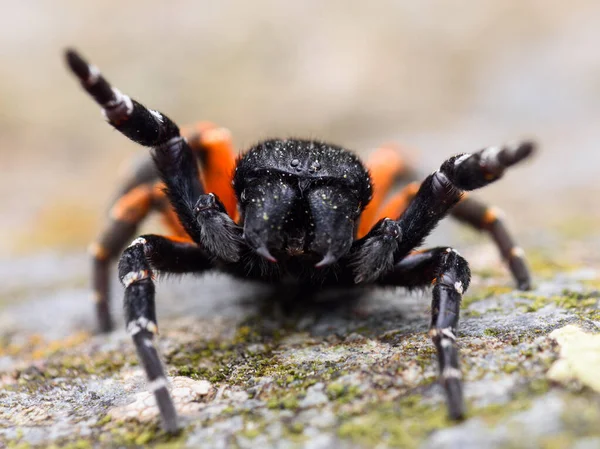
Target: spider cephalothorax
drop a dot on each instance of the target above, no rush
(307, 212)
(301, 197)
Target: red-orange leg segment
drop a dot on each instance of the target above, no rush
(214, 148)
(385, 165)
(167, 214)
(395, 206)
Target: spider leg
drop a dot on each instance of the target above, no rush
(174, 159)
(140, 193)
(482, 217)
(450, 276)
(398, 203)
(145, 254)
(124, 217)
(214, 149)
(387, 168)
(476, 214)
(391, 240)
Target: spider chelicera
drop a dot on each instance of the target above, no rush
(299, 211)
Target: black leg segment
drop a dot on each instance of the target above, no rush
(172, 155)
(450, 276)
(438, 194)
(490, 219)
(145, 254)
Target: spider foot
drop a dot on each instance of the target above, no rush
(157, 381)
(472, 171)
(455, 399)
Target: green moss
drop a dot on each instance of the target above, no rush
(342, 393)
(538, 386)
(403, 425)
(584, 303)
(18, 445)
(494, 413)
(251, 433)
(103, 421)
(79, 444)
(408, 421)
(144, 438)
(296, 428)
(537, 302)
(560, 441)
(490, 332)
(485, 293)
(335, 390)
(546, 264)
(572, 300)
(288, 402)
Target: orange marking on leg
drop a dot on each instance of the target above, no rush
(384, 165)
(398, 203)
(490, 216)
(167, 213)
(98, 251)
(219, 161)
(158, 192)
(179, 238)
(134, 205)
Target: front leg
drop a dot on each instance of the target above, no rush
(437, 195)
(451, 276)
(145, 254)
(172, 155)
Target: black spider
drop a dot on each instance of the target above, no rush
(299, 203)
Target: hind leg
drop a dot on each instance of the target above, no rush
(481, 217)
(124, 217)
(489, 219)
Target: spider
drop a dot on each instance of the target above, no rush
(307, 213)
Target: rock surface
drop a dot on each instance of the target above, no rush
(339, 373)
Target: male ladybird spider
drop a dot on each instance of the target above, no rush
(307, 211)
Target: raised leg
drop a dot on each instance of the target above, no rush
(450, 276)
(489, 219)
(141, 191)
(391, 240)
(136, 270)
(174, 159)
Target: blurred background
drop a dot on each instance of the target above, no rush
(439, 77)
